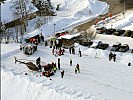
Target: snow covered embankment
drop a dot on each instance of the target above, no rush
(21, 88)
(73, 13)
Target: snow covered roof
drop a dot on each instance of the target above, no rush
(32, 34)
(7, 10)
(69, 36)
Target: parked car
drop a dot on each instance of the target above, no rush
(119, 32)
(101, 30)
(132, 34)
(132, 51)
(103, 46)
(116, 46)
(96, 44)
(110, 31)
(128, 33)
(86, 43)
(124, 48)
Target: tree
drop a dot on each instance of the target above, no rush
(89, 34)
(20, 11)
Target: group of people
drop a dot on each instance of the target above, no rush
(58, 52)
(72, 50)
(77, 69)
(112, 56)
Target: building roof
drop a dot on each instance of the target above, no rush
(69, 36)
(32, 34)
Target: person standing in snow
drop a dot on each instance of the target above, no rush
(114, 57)
(78, 69)
(80, 53)
(38, 60)
(62, 74)
(55, 68)
(110, 56)
(70, 50)
(59, 63)
(129, 64)
(70, 62)
(73, 51)
(75, 70)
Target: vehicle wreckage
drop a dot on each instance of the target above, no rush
(47, 69)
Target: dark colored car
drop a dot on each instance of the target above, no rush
(110, 31)
(132, 51)
(103, 46)
(132, 34)
(119, 32)
(86, 43)
(116, 47)
(128, 33)
(101, 30)
(124, 48)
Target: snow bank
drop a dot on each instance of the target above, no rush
(23, 89)
(121, 21)
(9, 47)
(73, 13)
(99, 79)
(7, 12)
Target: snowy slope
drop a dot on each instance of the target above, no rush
(71, 13)
(121, 21)
(99, 79)
(7, 11)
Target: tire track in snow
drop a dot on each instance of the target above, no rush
(10, 53)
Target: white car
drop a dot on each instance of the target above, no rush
(96, 44)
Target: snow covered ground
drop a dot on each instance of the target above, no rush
(99, 78)
(7, 10)
(72, 13)
(121, 21)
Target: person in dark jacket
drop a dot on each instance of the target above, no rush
(114, 57)
(110, 56)
(78, 69)
(38, 60)
(70, 62)
(80, 53)
(129, 64)
(73, 51)
(62, 74)
(75, 70)
(59, 63)
(70, 50)
(46, 43)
